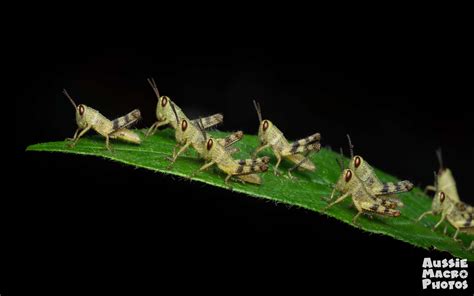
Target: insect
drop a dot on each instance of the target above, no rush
(459, 214)
(444, 180)
(271, 137)
(191, 133)
(88, 118)
(372, 183)
(365, 202)
(245, 169)
(218, 152)
(165, 116)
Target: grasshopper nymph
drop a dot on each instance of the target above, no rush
(218, 152)
(191, 133)
(165, 116)
(458, 213)
(365, 202)
(271, 137)
(88, 118)
(373, 184)
(244, 169)
(349, 185)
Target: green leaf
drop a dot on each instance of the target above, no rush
(304, 191)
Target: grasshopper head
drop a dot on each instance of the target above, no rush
(163, 108)
(264, 128)
(346, 180)
(182, 131)
(440, 201)
(210, 146)
(81, 113)
(265, 125)
(445, 176)
(358, 164)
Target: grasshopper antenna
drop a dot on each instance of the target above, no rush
(152, 83)
(440, 158)
(259, 111)
(340, 160)
(435, 180)
(69, 97)
(201, 128)
(351, 147)
(175, 114)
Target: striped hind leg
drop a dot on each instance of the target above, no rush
(292, 149)
(303, 144)
(386, 203)
(379, 209)
(391, 188)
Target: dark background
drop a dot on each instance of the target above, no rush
(400, 94)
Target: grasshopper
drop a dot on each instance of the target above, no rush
(373, 184)
(459, 214)
(271, 137)
(364, 200)
(165, 116)
(244, 169)
(444, 180)
(191, 133)
(88, 118)
(218, 152)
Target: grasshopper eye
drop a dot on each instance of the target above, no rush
(184, 125)
(81, 109)
(164, 101)
(348, 176)
(265, 125)
(210, 142)
(442, 196)
(357, 161)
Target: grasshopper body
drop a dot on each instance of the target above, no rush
(219, 152)
(271, 137)
(446, 202)
(245, 170)
(457, 213)
(373, 184)
(191, 133)
(88, 118)
(166, 115)
(367, 175)
(365, 202)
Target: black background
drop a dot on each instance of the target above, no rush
(400, 94)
